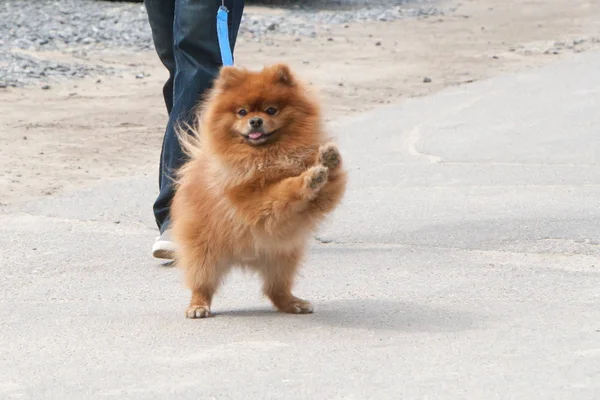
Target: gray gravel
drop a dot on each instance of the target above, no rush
(77, 26)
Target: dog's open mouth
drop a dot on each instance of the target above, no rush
(258, 137)
(255, 135)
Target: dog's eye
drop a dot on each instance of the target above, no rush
(271, 111)
(242, 113)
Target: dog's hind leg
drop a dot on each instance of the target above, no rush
(203, 276)
(279, 273)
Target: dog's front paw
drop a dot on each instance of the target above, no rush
(194, 312)
(316, 177)
(329, 156)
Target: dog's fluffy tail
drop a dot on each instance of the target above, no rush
(189, 139)
(188, 136)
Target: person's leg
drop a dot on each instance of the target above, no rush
(161, 15)
(197, 63)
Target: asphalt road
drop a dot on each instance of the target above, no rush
(464, 264)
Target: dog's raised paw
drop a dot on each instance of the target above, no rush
(329, 156)
(194, 312)
(316, 177)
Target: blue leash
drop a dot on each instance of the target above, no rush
(223, 35)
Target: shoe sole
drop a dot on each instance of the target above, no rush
(162, 251)
(164, 254)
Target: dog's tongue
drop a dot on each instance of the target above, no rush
(255, 135)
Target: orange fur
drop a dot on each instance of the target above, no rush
(239, 203)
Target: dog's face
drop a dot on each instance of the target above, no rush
(258, 123)
(259, 108)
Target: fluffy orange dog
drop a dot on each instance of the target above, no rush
(261, 176)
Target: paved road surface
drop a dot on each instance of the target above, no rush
(464, 264)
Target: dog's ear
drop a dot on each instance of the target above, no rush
(230, 77)
(283, 74)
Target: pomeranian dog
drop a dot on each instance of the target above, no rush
(261, 175)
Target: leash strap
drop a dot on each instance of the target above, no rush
(223, 35)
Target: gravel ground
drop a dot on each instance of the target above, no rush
(77, 26)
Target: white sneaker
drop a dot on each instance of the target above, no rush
(164, 247)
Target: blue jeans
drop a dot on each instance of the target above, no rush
(185, 37)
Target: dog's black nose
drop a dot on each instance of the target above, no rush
(256, 122)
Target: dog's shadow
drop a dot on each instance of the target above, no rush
(378, 315)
